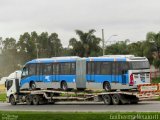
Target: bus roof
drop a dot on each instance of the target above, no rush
(101, 58)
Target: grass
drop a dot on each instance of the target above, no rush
(156, 80)
(79, 115)
(2, 96)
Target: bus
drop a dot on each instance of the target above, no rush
(109, 72)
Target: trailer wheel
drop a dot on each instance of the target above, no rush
(12, 100)
(106, 86)
(107, 99)
(32, 85)
(36, 100)
(116, 99)
(64, 86)
(29, 100)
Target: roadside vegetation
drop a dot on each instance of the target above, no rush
(2, 96)
(79, 115)
(16, 52)
(156, 80)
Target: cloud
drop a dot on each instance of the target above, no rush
(130, 19)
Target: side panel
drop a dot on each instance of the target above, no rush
(81, 73)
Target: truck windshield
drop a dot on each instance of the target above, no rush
(135, 65)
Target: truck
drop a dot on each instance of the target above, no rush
(50, 96)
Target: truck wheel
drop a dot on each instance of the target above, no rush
(64, 86)
(29, 100)
(12, 100)
(106, 86)
(107, 99)
(116, 99)
(32, 86)
(36, 100)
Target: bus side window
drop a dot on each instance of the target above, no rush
(98, 68)
(65, 68)
(32, 69)
(47, 69)
(39, 69)
(73, 68)
(106, 68)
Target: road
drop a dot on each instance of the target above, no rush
(145, 106)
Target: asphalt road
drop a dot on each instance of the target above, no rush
(145, 106)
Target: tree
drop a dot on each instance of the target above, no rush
(87, 45)
(117, 48)
(54, 45)
(153, 44)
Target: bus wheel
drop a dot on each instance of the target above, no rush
(106, 86)
(29, 100)
(36, 100)
(12, 100)
(32, 86)
(64, 86)
(107, 99)
(116, 99)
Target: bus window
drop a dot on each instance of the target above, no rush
(39, 69)
(106, 68)
(98, 68)
(122, 67)
(73, 68)
(90, 68)
(64, 68)
(55, 68)
(32, 69)
(47, 69)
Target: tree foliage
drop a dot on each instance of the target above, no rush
(32, 45)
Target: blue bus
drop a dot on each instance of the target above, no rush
(109, 72)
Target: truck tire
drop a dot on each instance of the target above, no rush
(36, 100)
(64, 86)
(29, 100)
(107, 99)
(106, 86)
(116, 99)
(12, 100)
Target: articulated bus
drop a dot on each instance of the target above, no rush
(110, 72)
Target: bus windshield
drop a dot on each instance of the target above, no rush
(135, 65)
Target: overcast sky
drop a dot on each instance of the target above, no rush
(129, 19)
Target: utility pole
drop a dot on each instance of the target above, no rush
(103, 44)
(37, 49)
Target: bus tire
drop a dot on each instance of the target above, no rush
(116, 99)
(29, 100)
(106, 86)
(36, 100)
(32, 85)
(107, 99)
(64, 86)
(12, 100)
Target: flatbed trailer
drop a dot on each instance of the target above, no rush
(38, 97)
(46, 96)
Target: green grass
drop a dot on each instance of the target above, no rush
(156, 80)
(2, 96)
(78, 115)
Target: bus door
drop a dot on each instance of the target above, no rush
(123, 68)
(91, 71)
(55, 72)
(115, 76)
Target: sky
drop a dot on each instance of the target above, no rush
(127, 19)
